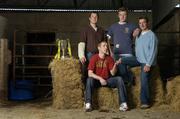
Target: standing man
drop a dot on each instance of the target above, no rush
(90, 37)
(101, 66)
(146, 52)
(122, 33)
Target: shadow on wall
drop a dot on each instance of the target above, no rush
(169, 62)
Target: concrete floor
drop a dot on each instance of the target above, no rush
(41, 109)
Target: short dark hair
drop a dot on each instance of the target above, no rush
(145, 18)
(123, 9)
(102, 41)
(93, 13)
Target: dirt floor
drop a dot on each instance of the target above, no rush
(41, 109)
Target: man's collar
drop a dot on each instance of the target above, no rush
(122, 23)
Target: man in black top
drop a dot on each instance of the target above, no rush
(90, 37)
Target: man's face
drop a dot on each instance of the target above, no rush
(143, 24)
(93, 18)
(122, 16)
(103, 47)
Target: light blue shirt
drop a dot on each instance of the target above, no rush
(146, 48)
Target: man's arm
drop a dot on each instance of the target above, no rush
(93, 75)
(152, 53)
(136, 33)
(81, 52)
(114, 69)
(109, 45)
(152, 50)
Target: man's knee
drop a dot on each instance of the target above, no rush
(90, 81)
(119, 80)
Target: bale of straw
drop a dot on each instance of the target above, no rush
(105, 98)
(108, 98)
(173, 94)
(156, 88)
(67, 85)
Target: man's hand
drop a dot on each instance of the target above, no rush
(136, 32)
(146, 68)
(111, 54)
(83, 60)
(119, 61)
(103, 82)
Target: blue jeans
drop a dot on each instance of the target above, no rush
(85, 66)
(145, 78)
(123, 69)
(113, 82)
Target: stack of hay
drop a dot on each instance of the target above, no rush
(173, 94)
(67, 85)
(108, 98)
(156, 88)
(105, 98)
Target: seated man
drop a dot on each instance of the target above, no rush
(100, 68)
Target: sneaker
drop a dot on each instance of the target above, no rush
(88, 107)
(123, 107)
(145, 106)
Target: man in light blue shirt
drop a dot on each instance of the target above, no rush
(146, 52)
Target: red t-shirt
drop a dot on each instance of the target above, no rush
(101, 67)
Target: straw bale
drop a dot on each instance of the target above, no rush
(105, 97)
(108, 98)
(156, 88)
(67, 85)
(173, 94)
(68, 88)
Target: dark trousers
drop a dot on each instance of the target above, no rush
(84, 68)
(123, 70)
(113, 82)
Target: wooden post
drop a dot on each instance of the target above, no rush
(5, 59)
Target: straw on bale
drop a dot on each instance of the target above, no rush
(108, 98)
(67, 85)
(156, 88)
(105, 97)
(173, 94)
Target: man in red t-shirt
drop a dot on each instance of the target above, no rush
(100, 69)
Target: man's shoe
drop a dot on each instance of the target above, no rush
(123, 107)
(88, 107)
(145, 106)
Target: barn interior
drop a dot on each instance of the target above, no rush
(28, 34)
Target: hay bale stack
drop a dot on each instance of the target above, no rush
(67, 85)
(173, 94)
(108, 98)
(105, 97)
(156, 88)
